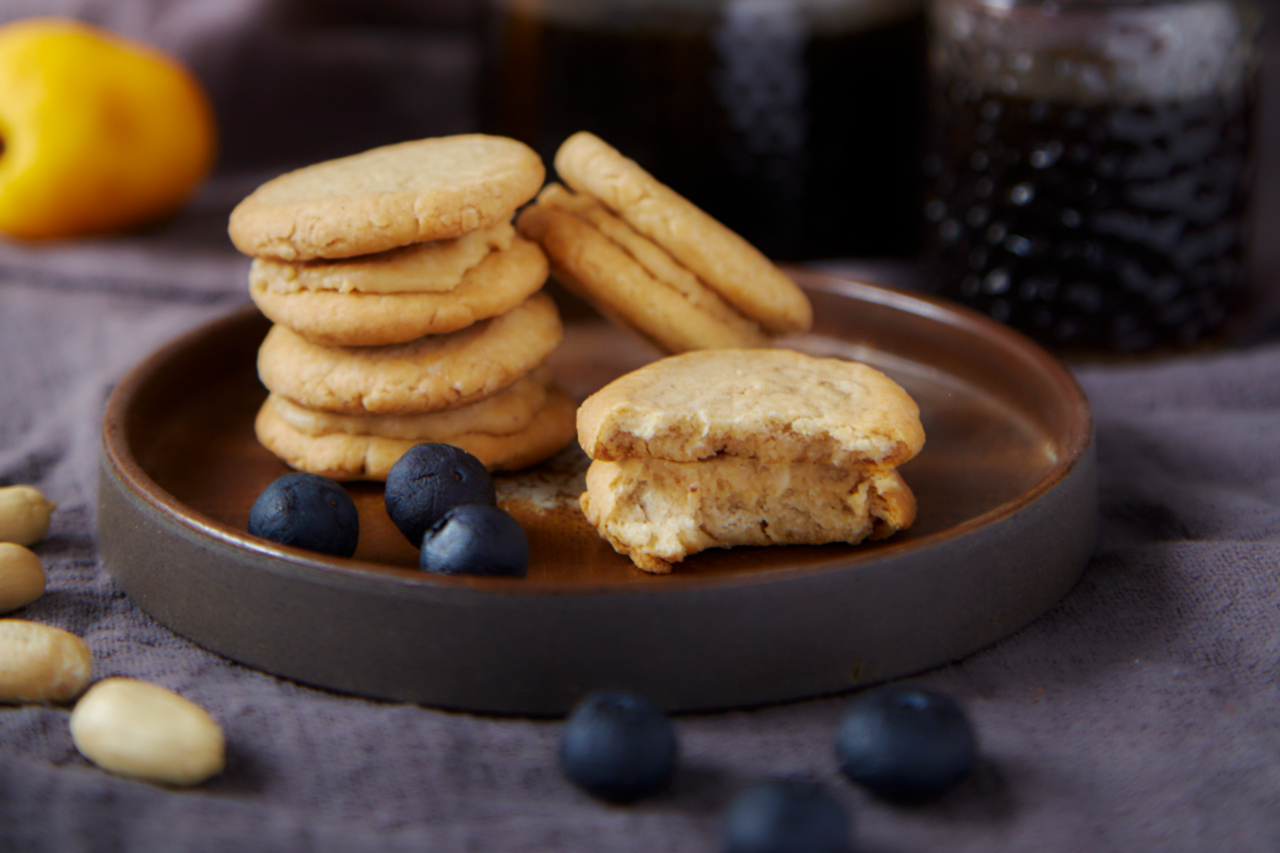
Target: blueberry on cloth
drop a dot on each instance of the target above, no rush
(618, 747)
(906, 745)
(475, 539)
(307, 511)
(786, 815)
(431, 479)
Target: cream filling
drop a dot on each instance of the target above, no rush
(436, 266)
(668, 510)
(509, 411)
(656, 260)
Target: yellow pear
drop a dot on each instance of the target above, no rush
(100, 134)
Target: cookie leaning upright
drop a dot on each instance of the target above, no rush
(720, 448)
(652, 260)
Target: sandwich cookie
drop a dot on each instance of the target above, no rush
(411, 192)
(424, 375)
(380, 299)
(719, 448)
(652, 260)
(516, 427)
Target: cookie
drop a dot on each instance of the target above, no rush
(721, 259)
(424, 375)
(775, 405)
(658, 512)
(342, 456)
(629, 278)
(436, 266)
(427, 189)
(498, 283)
(510, 410)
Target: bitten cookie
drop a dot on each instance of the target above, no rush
(718, 448)
(775, 405)
(658, 512)
(427, 374)
(427, 189)
(656, 216)
(367, 316)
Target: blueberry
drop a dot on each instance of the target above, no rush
(307, 511)
(431, 479)
(618, 747)
(786, 815)
(906, 745)
(475, 539)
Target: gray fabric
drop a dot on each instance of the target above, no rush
(1139, 714)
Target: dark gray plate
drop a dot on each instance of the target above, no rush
(1007, 510)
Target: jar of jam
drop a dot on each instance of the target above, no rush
(1090, 166)
(797, 123)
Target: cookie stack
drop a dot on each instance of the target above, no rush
(651, 260)
(718, 448)
(406, 308)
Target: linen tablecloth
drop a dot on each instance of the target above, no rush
(1138, 714)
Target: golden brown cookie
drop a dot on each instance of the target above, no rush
(508, 411)
(342, 456)
(499, 282)
(427, 189)
(721, 259)
(658, 512)
(436, 266)
(774, 405)
(424, 375)
(630, 279)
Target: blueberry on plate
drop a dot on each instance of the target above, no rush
(786, 815)
(904, 744)
(431, 479)
(307, 511)
(618, 747)
(475, 539)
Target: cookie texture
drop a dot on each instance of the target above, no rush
(508, 411)
(424, 375)
(775, 405)
(629, 278)
(436, 266)
(500, 281)
(427, 189)
(341, 456)
(724, 261)
(658, 512)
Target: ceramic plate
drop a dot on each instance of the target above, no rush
(1007, 510)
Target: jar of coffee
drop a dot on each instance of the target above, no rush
(1090, 166)
(797, 123)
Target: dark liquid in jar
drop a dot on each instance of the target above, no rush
(849, 186)
(1106, 228)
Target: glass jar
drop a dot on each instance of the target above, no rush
(798, 123)
(1090, 166)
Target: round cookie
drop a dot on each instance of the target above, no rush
(775, 405)
(724, 261)
(510, 410)
(599, 257)
(427, 189)
(341, 456)
(424, 375)
(436, 266)
(501, 281)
